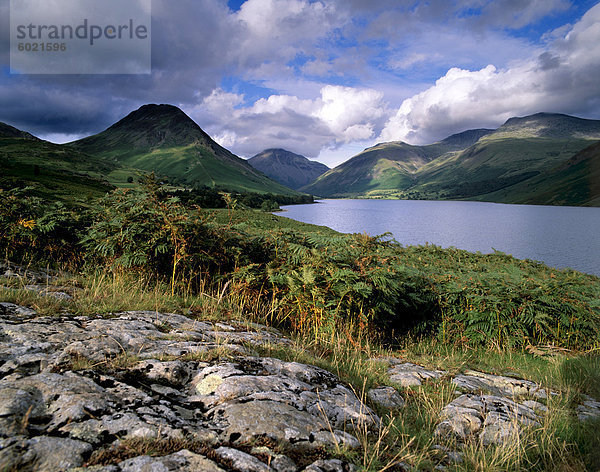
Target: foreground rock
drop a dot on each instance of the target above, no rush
(293, 403)
(493, 419)
(386, 397)
(589, 409)
(472, 381)
(76, 391)
(73, 385)
(27, 274)
(408, 375)
(35, 280)
(493, 408)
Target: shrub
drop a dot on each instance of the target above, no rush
(315, 280)
(143, 230)
(31, 227)
(331, 282)
(134, 229)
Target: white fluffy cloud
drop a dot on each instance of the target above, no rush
(275, 31)
(563, 78)
(348, 111)
(339, 115)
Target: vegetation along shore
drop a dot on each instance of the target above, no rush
(163, 333)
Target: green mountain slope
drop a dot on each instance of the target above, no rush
(574, 182)
(53, 170)
(163, 139)
(287, 168)
(519, 150)
(495, 166)
(7, 131)
(387, 167)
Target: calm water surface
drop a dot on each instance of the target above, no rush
(559, 236)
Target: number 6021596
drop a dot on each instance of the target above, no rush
(42, 47)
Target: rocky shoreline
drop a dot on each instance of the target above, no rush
(75, 389)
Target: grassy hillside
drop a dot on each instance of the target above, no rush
(512, 164)
(163, 139)
(574, 182)
(52, 170)
(7, 131)
(519, 150)
(494, 163)
(382, 167)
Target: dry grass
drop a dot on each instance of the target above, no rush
(406, 437)
(156, 447)
(542, 447)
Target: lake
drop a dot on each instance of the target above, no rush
(558, 236)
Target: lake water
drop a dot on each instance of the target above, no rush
(558, 236)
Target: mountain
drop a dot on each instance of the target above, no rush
(163, 139)
(549, 125)
(574, 182)
(488, 165)
(7, 131)
(465, 139)
(387, 167)
(521, 149)
(287, 168)
(52, 170)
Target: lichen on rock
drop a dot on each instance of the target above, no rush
(71, 385)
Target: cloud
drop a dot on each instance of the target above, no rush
(563, 78)
(427, 38)
(345, 108)
(275, 31)
(317, 67)
(548, 61)
(317, 76)
(411, 59)
(191, 44)
(49, 110)
(91, 22)
(473, 14)
(195, 43)
(447, 46)
(516, 14)
(339, 115)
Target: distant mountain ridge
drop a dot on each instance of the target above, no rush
(7, 131)
(287, 168)
(553, 125)
(543, 159)
(466, 138)
(488, 165)
(163, 139)
(388, 165)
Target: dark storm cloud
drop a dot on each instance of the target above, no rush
(548, 61)
(53, 109)
(190, 41)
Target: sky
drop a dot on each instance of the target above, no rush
(328, 78)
